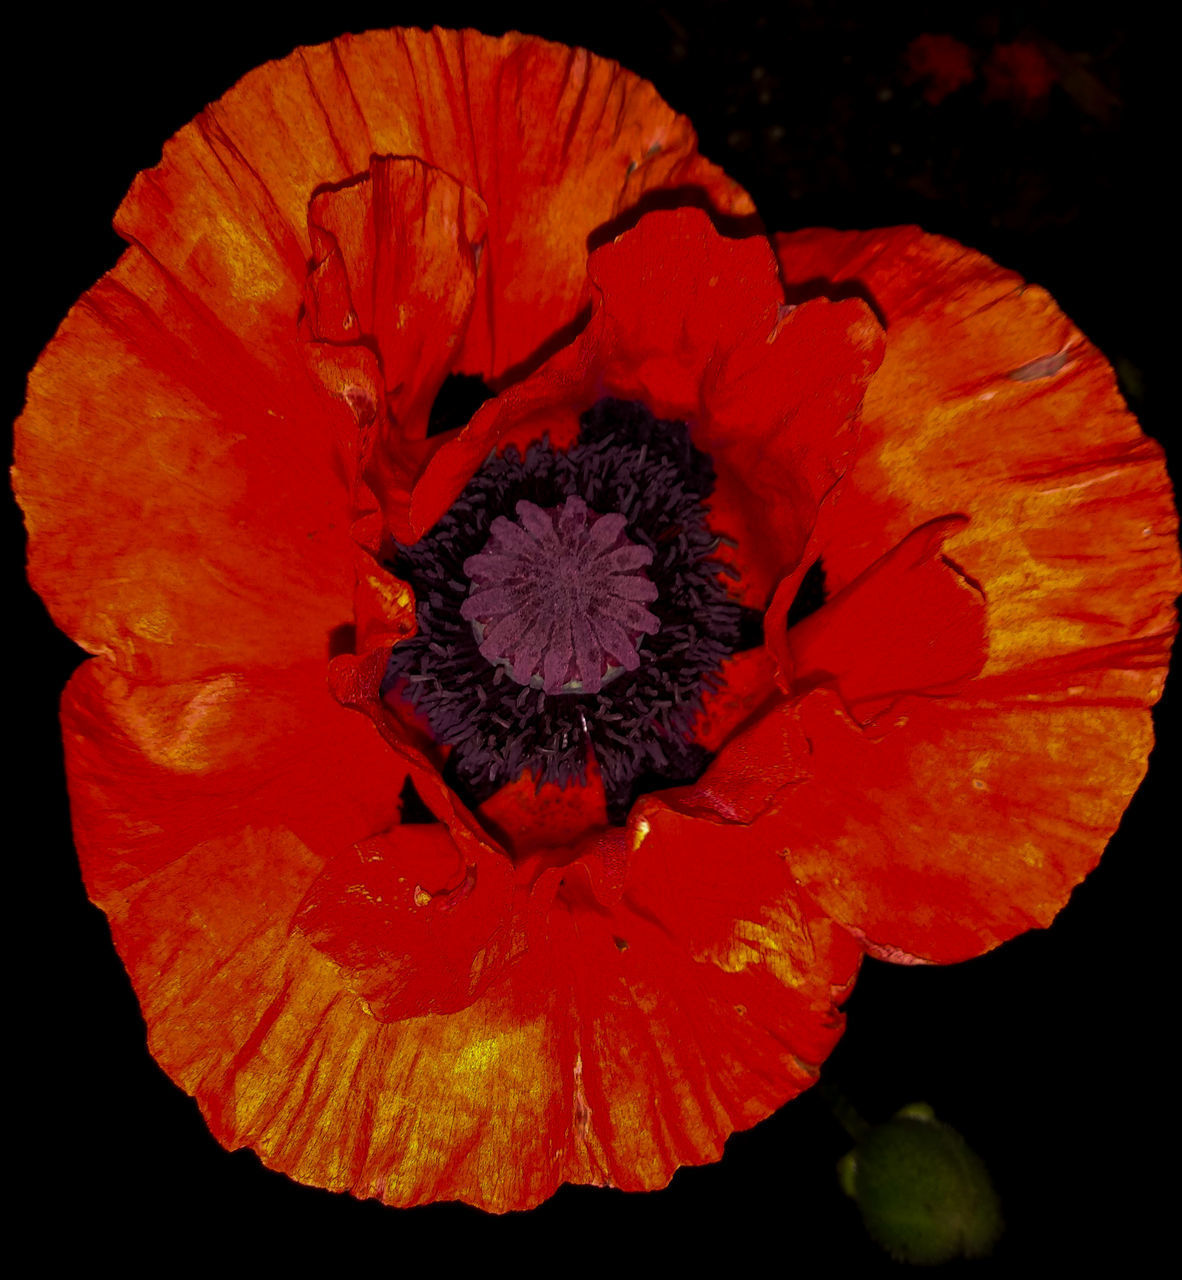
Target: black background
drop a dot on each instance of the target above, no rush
(1047, 1054)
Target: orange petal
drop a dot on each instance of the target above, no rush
(527, 818)
(415, 927)
(702, 1002)
(177, 378)
(948, 824)
(384, 606)
(747, 684)
(955, 823)
(766, 754)
(910, 622)
(356, 683)
(991, 404)
(550, 1074)
(395, 261)
(952, 824)
(770, 392)
(185, 508)
(261, 1028)
(154, 768)
(204, 814)
(622, 1047)
(556, 141)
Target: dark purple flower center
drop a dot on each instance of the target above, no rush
(558, 597)
(569, 603)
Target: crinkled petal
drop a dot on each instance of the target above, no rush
(770, 392)
(991, 404)
(616, 1049)
(556, 141)
(261, 1027)
(172, 398)
(185, 506)
(701, 1002)
(952, 824)
(414, 926)
(395, 253)
(909, 622)
(284, 987)
(155, 768)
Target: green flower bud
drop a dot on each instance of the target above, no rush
(924, 1195)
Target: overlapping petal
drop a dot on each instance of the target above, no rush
(730, 331)
(579, 1069)
(556, 141)
(990, 802)
(910, 621)
(771, 391)
(270, 1028)
(758, 975)
(967, 716)
(396, 254)
(174, 396)
(185, 508)
(952, 824)
(157, 768)
(991, 404)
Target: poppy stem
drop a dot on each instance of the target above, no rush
(844, 1111)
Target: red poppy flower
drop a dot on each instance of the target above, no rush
(467, 813)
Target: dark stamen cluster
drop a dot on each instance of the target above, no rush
(639, 726)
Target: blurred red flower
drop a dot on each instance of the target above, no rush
(942, 61)
(596, 967)
(1018, 72)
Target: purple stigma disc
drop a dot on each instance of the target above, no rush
(558, 597)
